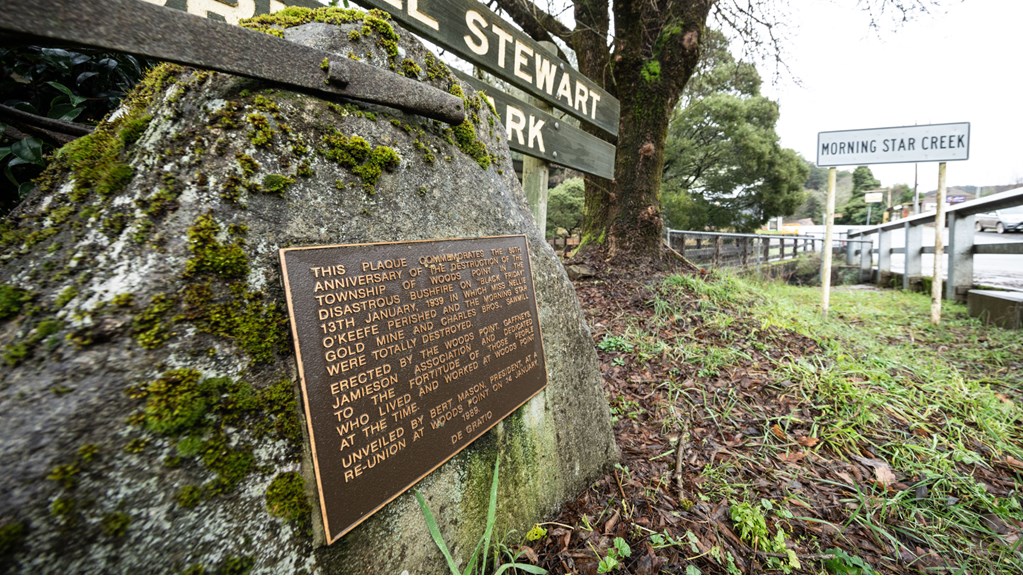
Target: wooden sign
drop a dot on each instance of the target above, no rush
(407, 353)
(508, 54)
(538, 134)
(470, 30)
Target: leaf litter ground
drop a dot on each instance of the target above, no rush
(757, 438)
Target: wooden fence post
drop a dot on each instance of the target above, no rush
(939, 247)
(535, 174)
(829, 233)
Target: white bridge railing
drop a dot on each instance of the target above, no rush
(960, 246)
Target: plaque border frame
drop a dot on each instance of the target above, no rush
(330, 538)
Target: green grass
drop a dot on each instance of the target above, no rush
(939, 404)
(871, 440)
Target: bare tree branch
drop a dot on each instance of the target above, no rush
(57, 131)
(538, 24)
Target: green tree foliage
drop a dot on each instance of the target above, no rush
(724, 167)
(54, 87)
(816, 188)
(902, 194)
(863, 180)
(565, 207)
(817, 179)
(855, 210)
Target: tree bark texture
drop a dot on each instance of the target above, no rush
(655, 51)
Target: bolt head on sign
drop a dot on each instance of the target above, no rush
(407, 353)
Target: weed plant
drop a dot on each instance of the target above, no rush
(487, 545)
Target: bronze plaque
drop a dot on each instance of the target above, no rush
(407, 353)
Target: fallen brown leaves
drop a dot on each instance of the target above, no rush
(690, 443)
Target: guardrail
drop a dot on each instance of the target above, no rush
(960, 247)
(725, 249)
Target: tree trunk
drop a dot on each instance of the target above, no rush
(590, 46)
(656, 50)
(634, 221)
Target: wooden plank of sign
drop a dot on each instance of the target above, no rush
(540, 135)
(473, 32)
(470, 30)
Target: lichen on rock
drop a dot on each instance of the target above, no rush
(149, 394)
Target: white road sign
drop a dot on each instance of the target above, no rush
(873, 197)
(928, 143)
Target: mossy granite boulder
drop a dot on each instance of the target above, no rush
(148, 400)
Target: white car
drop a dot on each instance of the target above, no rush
(1005, 220)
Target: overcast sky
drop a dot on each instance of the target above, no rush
(960, 63)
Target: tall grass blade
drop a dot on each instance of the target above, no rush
(431, 525)
(491, 512)
(527, 568)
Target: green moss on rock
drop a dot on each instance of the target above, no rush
(189, 496)
(115, 223)
(63, 509)
(467, 140)
(212, 256)
(16, 352)
(262, 102)
(356, 154)
(151, 327)
(275, 24)
(374, 22)
(161, 202)
(410, 69)
(277, 184)
(248, 164)
(12, 300)
(261, 134)
(133, 128)
(197, 412)
(115, 524)
(286, 497)
(123, 300)
(465, 135)
(66, 295)
(175, 402)
(236, 565)
(437, 70)
(12, 537)
(279, 402)
(257, 327)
